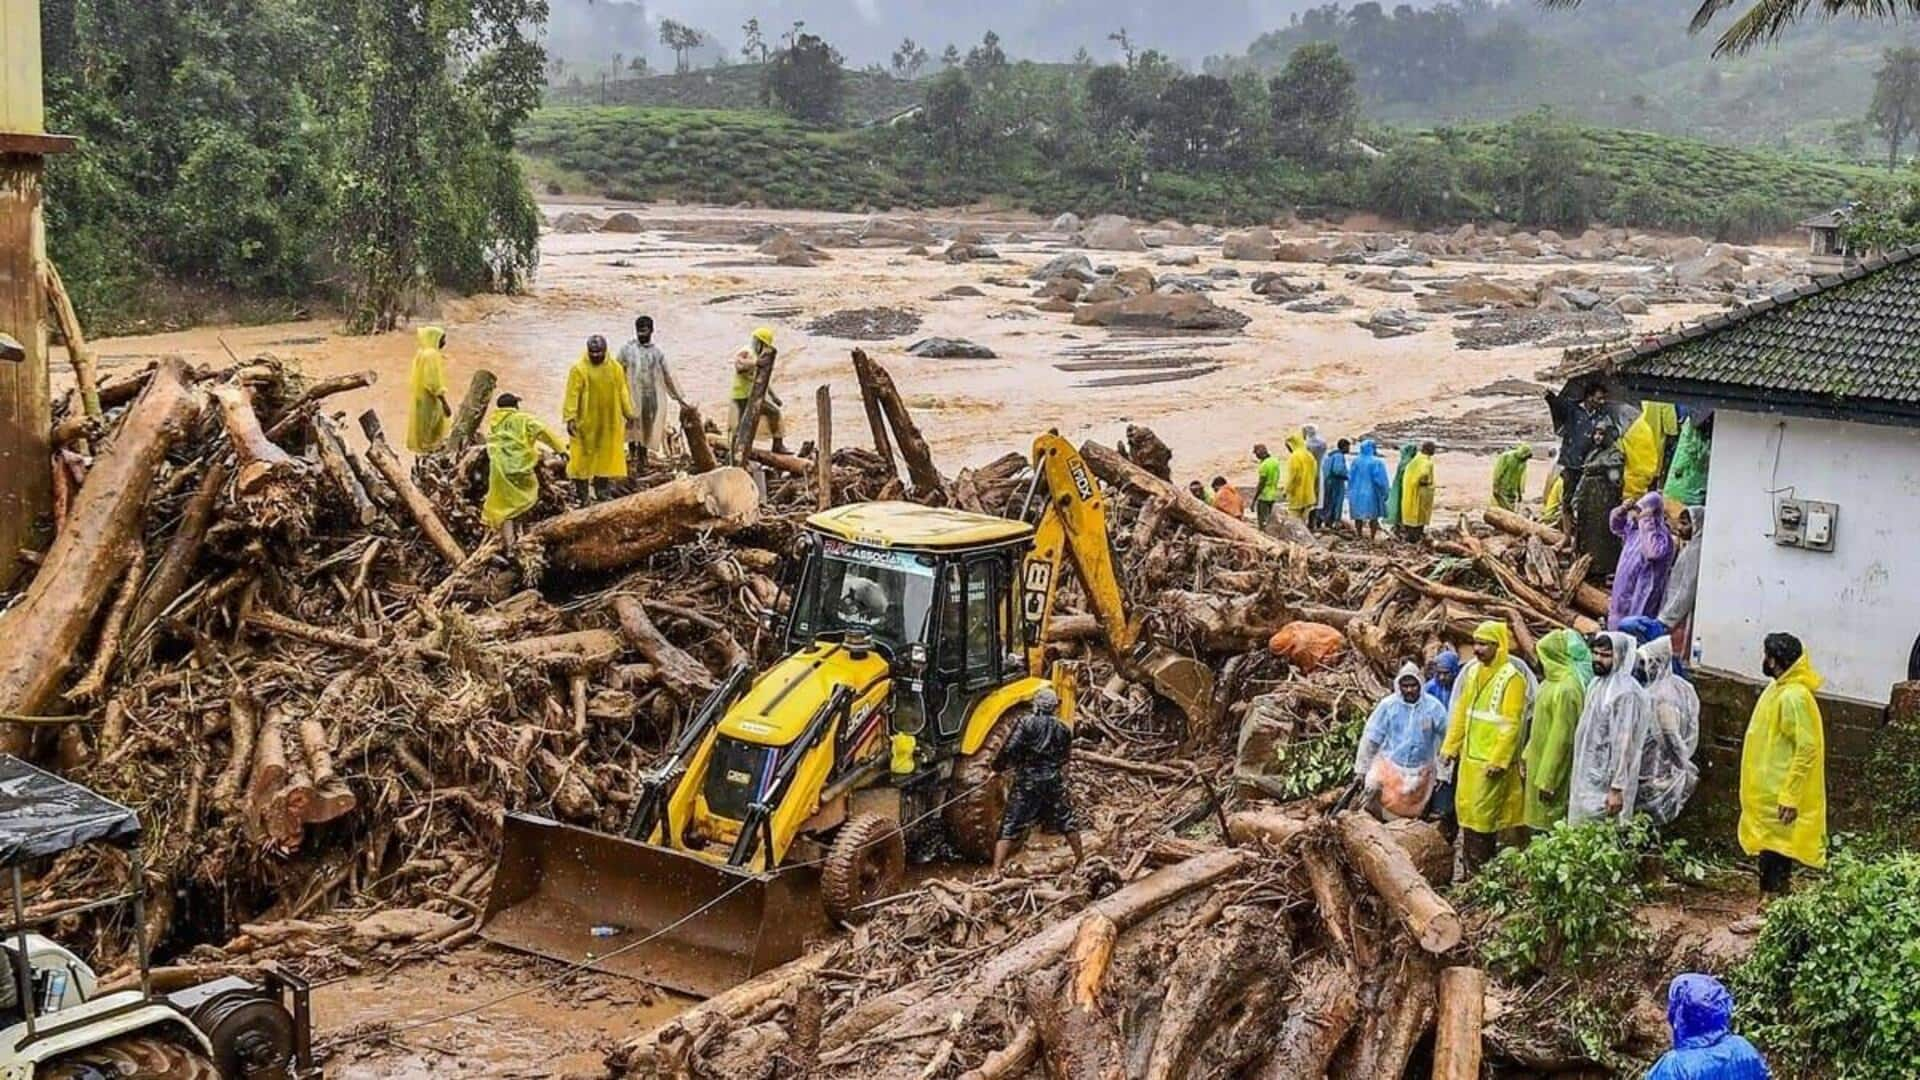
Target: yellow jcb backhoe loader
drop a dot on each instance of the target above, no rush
(913, 640)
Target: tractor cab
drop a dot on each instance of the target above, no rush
(934, 590)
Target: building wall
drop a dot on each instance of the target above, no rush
(1854, 607)
(20, 101)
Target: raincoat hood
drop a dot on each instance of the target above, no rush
(1653, 503)
(1294, 442)
(1582, 658)
(1501, 638)
(1408, 670)
(1408, 451)
(1447, 662)
(1802, 673)
(1555, 653)
(1700, 1011)
(1525, 450)
(1367, 448)
(430, 337)
(1620, 680)
(1656, 661)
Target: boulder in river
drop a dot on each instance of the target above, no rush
(1254, 245)
(1067, 223)
(1071, 265)
(626, 221)
(939, 348)
(573, 221)
(1162, 311)
(1112, 232)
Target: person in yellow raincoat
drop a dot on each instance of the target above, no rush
(1416, 494)
(1552, 511)
(1484, 735)
(513, 454)
(427, 417)
(1548, 758)
(1783, 769)
(1645, 446)
(597, 408)
(1303, 477)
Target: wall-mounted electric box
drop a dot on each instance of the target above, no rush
(1805, 523)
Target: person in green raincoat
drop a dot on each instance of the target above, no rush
(596, 410)
(1510, 477)
(429, 413)
(1548, 758)
(513, 454)
(1687, 476)
(1407, 453)
(1484, 734)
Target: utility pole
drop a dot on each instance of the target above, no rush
(26, 471)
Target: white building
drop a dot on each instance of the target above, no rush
(1813, 494)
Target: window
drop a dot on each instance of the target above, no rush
(888, 593)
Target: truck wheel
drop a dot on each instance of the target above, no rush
(131, 1057)
(979, 795)
(868, 861)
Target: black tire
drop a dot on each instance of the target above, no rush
(131, 1057)
(979, 795)
(868, 861)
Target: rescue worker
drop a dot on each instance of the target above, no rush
(429, 412)
(1548, 758)
(1484, 734)
(1037, 753)
(1612, 736)
(1644, 445)
(1442, 673)
(1585, 428)
(1398, 759)
(1303, 477)
(1687, 476)
(1416, 507)
(745, 366)
(1267, 491)
(1445, 671)
(1667, 772)
(596, 412)
(1317, 446)
(1199, 491)
(1646, 559)
(1700, 1012)
(1783, 768)
(1510, 477)
(1227, 500)
(513, 455)
(1553, 504)
(1334, 469)
(1396, 492)
(647, 378)
(1367, 490)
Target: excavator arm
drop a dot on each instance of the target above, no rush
(1071, 526)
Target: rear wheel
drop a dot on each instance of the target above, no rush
(978, 795)
(131, 1057)
(868, 861)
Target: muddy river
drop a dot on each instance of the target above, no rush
(707, 289)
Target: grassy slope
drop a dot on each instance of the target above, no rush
(729, 156)
(869, 96)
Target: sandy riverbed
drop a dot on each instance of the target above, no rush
(707, 291)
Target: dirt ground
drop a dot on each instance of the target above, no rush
(707, 291)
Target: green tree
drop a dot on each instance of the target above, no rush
(805, 80)
(1196, 124)
(950, 58)
(987, 60)
(908, 59)
(1314, 104)
(1545, 176)
(1896, 99)
(949, 117)
(755, 46)
(1418, 183)
(682, 39)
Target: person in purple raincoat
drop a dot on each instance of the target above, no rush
(1646, 558)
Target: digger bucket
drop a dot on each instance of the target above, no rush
(587, 897)
(1186, 682)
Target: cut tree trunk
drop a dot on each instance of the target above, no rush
(823, 449)
(387, 463)
(747, 424)
(90, 684)
(693, 427)
(473, 407)
(243, 724)
(1207, 977)
(1113, 467)
(578, 651)
(1226, 624)
(1323, 1012)
(307, 403)
(1079, 1037)
(1457, 1026)
(44, 629)
(1397, 1023)
(620, 532)
(1332, 896)
(1517, 525)
(1370, 850)
(335, 460)
(640, 1055)
(874, 379)
(81, 357)
(1281, 830)
(877, 424)
(262, 462)
(687, 678)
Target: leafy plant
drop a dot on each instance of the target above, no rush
(1833, 985)
(1315, 764)
(1565, 901)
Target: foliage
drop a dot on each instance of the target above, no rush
(908, 59)
(866, 97)
(1418, 182)
(1894, 811)
(1896, 99)
(1314, 105)
(1833, 985)
(805, 80)
(1545, 176)
(1413, 54)
(1566, 900)
(1309, 766)
(1767, 20)
(683, 39)
(1195, 125)
(949, 117)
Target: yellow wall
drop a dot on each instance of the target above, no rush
(20, 103)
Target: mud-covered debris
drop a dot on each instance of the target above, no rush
(866, 324)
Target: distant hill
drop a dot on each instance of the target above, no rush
(871, 96)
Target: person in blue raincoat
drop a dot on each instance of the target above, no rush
(1334, 470)
(1399, 754)
(1445, 669)
(1446, 666)
(1367, 483)
(1700, 1011)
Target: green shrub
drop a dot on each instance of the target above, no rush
(1833, 986)
(1566, 900)
(1313, 765)
(1418, 183)
(1748, 217)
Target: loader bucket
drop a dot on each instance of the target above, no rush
(705, 927)
(1186, 682)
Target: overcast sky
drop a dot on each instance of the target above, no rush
(867, 31)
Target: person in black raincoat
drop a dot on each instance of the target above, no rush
(1037, 753)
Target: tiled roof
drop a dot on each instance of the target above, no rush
(1850, 339)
